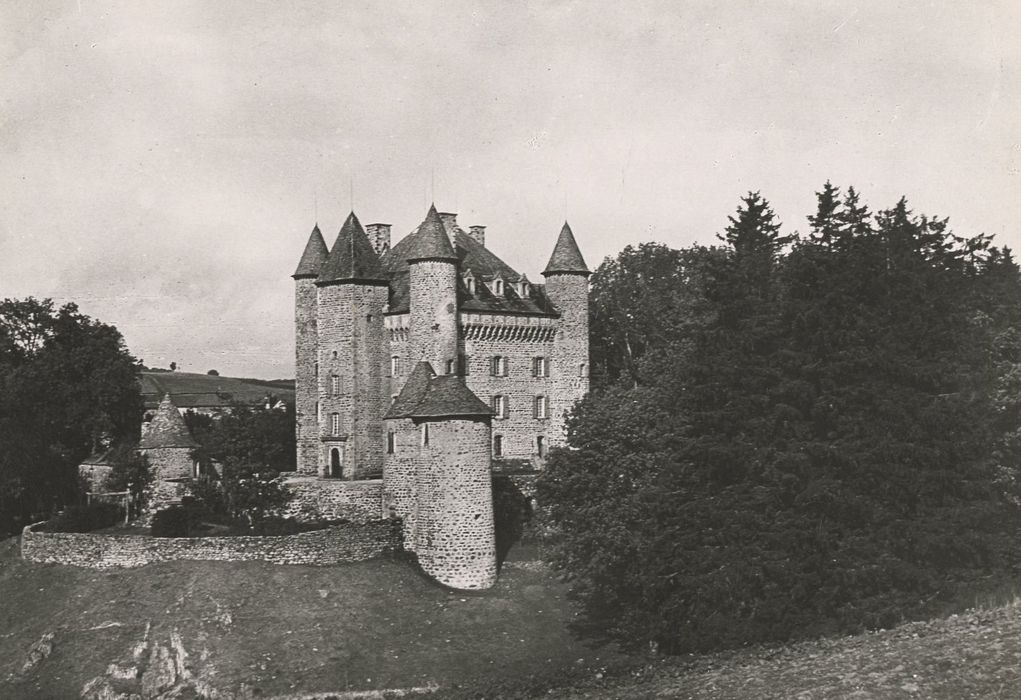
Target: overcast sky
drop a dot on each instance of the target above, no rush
(160, 162)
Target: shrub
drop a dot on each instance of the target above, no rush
(175, 521)
(94, 516)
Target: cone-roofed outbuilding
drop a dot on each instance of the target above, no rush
(426, 395)
(313, 257)
(167, 428)
(566, 256)
(352, 257)
(431, 241)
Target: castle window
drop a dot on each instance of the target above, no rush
(498, 445)
(391, 442)
(583, 370)
(316, 369)
(500, 408)
(498, 366)
(498, 287)
(523, 289)
(465, 363)
(393, 397)
(334, 385)
(450, 366)
(540, 366)
(469, 282)
(335, 424)
(540, 445)
(395, 366)
(334, 355)
(319, 413)
(425, 434)
(541, 409)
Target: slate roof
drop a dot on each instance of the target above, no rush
(430, 242)
(313, 257)
(352, 257)
(566, 256)
(167, 428)
(426, 395)
(484, 265)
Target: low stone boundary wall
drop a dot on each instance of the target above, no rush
(334, 499)
(345, 542)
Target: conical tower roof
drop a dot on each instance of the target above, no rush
(431, 241)
(167, 428)
(352, 257)
(427, 396)
(566, 256)
(313, 257)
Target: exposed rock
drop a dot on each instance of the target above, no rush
(38, 652)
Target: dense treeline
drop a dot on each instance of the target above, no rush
(68, 387)
(792, 435)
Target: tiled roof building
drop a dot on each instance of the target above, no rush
(429, 363)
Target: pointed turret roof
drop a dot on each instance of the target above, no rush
(427, 396)
(313, 257)
(566, 256)
(167, 428)
(352, 257)
(431, 241)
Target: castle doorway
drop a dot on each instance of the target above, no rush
(336, 463)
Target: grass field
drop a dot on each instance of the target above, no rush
(281, 629)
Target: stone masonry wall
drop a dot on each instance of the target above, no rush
(520, 428)
(455, 536)
(351, 348)
(332, 499)
(305, 383)
(170, 462)
(341, 543)
(570, 364)
(399, 485)
(433, 309)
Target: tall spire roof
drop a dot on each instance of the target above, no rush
(431, 240)
(313, 257)
(566, 256)
(427, 396)
(167, 428)
(352, 257)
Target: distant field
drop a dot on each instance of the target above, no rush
(283, 629)
(192, 390)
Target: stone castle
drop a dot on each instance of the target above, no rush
(426, 364)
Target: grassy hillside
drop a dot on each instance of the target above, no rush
(276, 629)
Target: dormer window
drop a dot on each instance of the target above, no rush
(469, 283)
(498, 287)
(523, 287)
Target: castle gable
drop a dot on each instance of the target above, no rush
(426, 395)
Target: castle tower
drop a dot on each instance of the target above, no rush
(167, 444)
(432, 267)
(353, 290)
(306, 390)
(567, 287)
(442, 441)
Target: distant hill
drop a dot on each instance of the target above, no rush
(209, 392)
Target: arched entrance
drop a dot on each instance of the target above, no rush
(336, 462)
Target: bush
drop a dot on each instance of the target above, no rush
(175, 521)
(95, 516)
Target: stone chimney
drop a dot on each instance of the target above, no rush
(478, 234)
(379, 237)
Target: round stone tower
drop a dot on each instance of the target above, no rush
(305, 351)
(567, 287)
(432, 265)
(438, 478)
